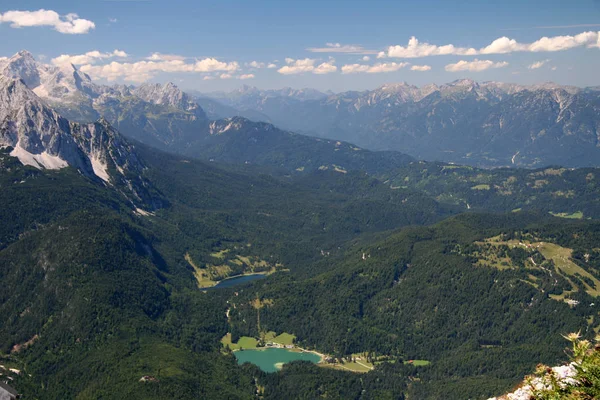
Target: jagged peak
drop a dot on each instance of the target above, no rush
(463, 82)
(23, 54)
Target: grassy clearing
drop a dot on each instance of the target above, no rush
(285, 339)
(245, 342)
(229, 266)
(418, 363)
(575, 215)
(349, 366)
(481, 187)
(202, 278)
(561, 257)
(220, 254)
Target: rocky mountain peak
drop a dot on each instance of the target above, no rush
(168, 95)
(42, 138)
(22, 65)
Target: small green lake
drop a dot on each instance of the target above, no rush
(271, 360)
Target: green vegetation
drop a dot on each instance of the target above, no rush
(419, 295)
(282, 339)
(481, 187)
(418, 363)
(94, 293)
(574, 192)
(244, 342)
(575, 215)
(531, 253)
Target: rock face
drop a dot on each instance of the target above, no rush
(168, 95)
(483, 124)
(42, 138)
(563, 375)
(152, 113)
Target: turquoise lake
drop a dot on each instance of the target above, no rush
(270, 359)
(236, 280)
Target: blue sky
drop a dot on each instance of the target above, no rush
(210, 45)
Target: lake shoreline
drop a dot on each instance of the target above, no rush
(322, 356)
(258, 275)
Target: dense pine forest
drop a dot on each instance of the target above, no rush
(98, 293)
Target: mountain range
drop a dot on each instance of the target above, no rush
(486, 124)
(121, 204)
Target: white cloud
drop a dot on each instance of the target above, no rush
(90, 57)
(366, 58)
(415, 49)
(306, 65)
(255, 64)
(271, 66)
(208, 78)
(165, 57)
(559, 43)
(113, 20)
(325, 68)
(475, 65)
(297, 66)
(372, 69)
(247, 76)
(69, 24)
(339, 48)
(143, 70)
(225, 76)
(538, 64)
(421, 68)
(212, 64)
(553, 68)
(502, 45)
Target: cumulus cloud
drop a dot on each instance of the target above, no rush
(143, 70)
(306, 65)
(475, 65)
(225, 76)
(339, 48)
(325, 68)
(271, 66)
(68, 24)
(421, 68)
(246, 76)
(297, 66)
(415, 49)
(366, 58)
(255, 64)
(165, 57)
(538, 64)
(91, 57)
(208, 78)
(372, 69)
(502, 45)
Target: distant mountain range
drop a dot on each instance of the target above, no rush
(165, 117)
(487, 124)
